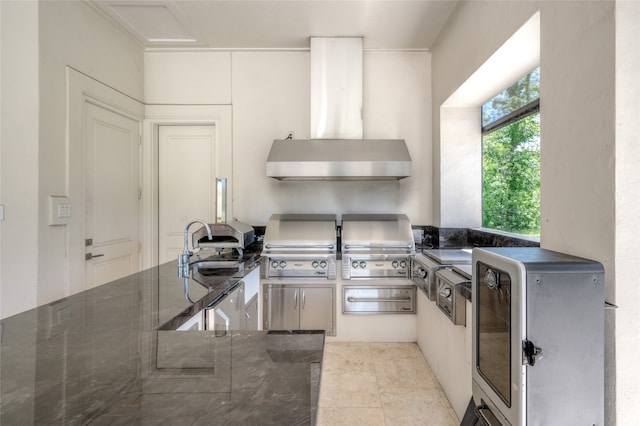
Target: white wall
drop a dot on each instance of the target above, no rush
(184, 77)
(19, 156)
(39, 39)
(627, 211)
(72, 34)
(270, 97)
(578, 118)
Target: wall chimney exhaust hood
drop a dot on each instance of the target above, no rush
(337, 150)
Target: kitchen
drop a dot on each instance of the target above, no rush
(583, 45)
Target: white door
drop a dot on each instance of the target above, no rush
(186, 184)
(111, 195)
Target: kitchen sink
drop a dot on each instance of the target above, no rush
(200, 264)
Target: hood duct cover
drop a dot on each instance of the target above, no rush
(339, 159)
(337, 150)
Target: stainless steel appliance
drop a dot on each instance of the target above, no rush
(423, 273)
(232, 235)
(379, 300)
(376, 246)
(376, 263)
(437, 259)
(538, 337)
(333, 159)
(300, 245)
(299, 272)
(336, 150)
(220, 245)
(225, 248)
(448, 298)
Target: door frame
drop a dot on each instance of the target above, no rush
(218, 116)
(82, 89)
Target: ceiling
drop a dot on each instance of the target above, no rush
(278, 24)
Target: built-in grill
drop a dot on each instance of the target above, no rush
(300, 245)
(376, 246)
(426, 265)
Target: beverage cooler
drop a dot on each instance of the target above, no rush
(538, 339)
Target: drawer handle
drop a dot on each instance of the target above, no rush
(371, 299)
(300, 246)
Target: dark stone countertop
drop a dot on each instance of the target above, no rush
(100, 357)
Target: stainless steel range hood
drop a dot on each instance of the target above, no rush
(334, 159)
(337, 150)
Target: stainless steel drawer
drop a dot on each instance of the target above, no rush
(379, 300)
(449, 299)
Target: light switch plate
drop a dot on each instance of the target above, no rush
(59, 210)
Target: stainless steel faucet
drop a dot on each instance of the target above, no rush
(185, 256)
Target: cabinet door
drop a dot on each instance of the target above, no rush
(317, 305)
(228, 314)
(283, 307)
(251, 320)
(251, 285)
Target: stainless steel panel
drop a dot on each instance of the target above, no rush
(448, 298)
(317, 309)
(374, 159)
(299, 232)
(221, 200)
(373, 266)
(314, 266)
(298, 306)
(282, 308)
(385, 233)
(336, 87)
(379, 300)
(462, 269)
(449, 256)
(557, 307)
(565, 318)
(424, 274)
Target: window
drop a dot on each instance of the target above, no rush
(511, 158)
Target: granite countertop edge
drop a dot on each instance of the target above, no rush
(216, 291)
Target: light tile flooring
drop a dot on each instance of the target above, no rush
(380, 384)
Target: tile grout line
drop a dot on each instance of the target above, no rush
(394, 351)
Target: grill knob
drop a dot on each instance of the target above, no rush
(315, 263)
(274, 264)
(354, 264)
(446, 292)
(323, 264)
(283, 264)
(363, 264)
(394, 263)
(403, 264)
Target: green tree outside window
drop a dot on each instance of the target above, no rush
(511, 158)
